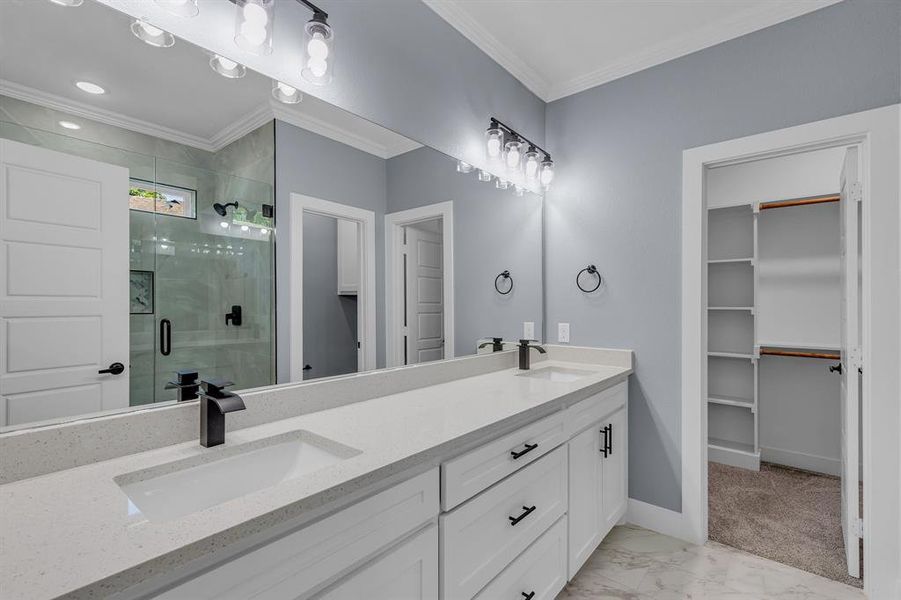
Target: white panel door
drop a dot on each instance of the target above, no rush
(425, 295)
(850, 351)
(64, 284)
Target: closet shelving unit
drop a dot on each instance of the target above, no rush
(733, 345)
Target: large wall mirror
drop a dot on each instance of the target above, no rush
(160, 214)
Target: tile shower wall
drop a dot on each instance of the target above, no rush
(200, 268)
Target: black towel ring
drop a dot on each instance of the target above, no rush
(591, 270)
(505, 275)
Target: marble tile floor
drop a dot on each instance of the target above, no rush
(636, 564)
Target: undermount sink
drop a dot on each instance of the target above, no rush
(556, 374)
(182, 487)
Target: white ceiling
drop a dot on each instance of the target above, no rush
(560, 47)
(168, 92)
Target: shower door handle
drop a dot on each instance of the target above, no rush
(165, 337)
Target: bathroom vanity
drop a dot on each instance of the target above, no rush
(489, 485)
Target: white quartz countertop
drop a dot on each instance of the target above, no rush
(74, 533)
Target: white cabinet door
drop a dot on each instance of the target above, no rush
(63, 284)
(409, 572)
(585, 502)
(615, 463)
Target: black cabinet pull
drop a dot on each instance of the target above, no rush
(165, 337)
(609, 438)
(116, 368)
(526, 511)
(603, 449)
(529, 596)
(528, 448)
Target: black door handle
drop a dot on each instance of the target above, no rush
(116, 368)
(165, 337)
(835, 368)
(307, 367)
(527, 510)
(528, 448)
(529, 596)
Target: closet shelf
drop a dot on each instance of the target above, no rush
(732, 446)
(731, 400)
(801, 201)
(740, 308)
(723, 261)
(738, 355)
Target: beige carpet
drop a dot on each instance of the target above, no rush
(787, 515)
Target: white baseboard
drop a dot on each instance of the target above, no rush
(659, 519)
(799, 460)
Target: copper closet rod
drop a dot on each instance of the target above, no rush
(801, 201)
(801, 353)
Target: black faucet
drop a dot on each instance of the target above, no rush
(497, 344)
(524, 346)
(215, 402)
(186, 384)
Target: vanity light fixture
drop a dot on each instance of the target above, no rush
(69, 125)
(253, 25)
(227, 67)
(90, 88)
(152, 35)
(536, 163)
(285, 93)
(180, 8)
(318, 47)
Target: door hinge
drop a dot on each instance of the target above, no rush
(856, 191)
(857, 528)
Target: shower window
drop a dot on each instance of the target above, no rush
(162, 199)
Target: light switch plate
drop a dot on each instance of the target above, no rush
(563, 333)
(528, 330)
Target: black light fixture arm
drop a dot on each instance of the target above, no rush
(513, 133)
(318, 13)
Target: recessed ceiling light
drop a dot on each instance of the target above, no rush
(152, 35)
(68, 2)
(69, 125)
(227, 67)
(182, 8)
(90, 88)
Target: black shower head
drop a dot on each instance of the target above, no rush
(222, 209)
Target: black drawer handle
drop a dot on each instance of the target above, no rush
(526, 511)
(528, 448)
(529, 596)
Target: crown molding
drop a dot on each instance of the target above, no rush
(108, 117)
(757, 17)
(490, 45)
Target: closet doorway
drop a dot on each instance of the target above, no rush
(875, 135)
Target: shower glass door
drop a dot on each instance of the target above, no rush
(213, 277)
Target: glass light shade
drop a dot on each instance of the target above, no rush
(181, 8)
(532, 165)
(484, 175)
(285, 93)
(501, 184)
(463, 167)
(152, 35)
(513, 154)
(318, 52)
(494, 142)
(68, 2)
(546, 174)
(227, 67)
(253, 25)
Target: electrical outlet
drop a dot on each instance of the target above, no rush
(528, 330)
(563, 333)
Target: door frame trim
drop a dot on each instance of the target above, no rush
(877, 133)
(298, 205)
(393, 222)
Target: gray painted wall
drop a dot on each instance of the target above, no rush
(329, 320)
(493, 231)
(617, 196)
(309, 164)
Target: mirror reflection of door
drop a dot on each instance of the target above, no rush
(331, 283)
(423, 279)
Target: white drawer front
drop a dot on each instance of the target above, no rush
(584, 413)
(479, 538)
(467, 475)
(538, 573)
(295, 564)
(408, 572)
